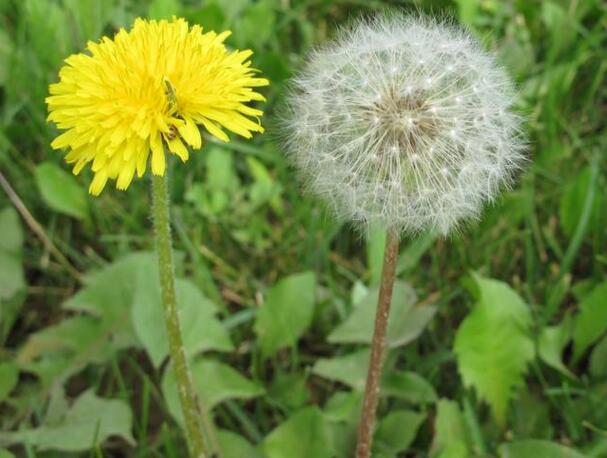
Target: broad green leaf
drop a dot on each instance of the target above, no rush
(405, 324)
(61, 191)
(6, 454)
(287, 312)
(350, 369)
(343, 437)
(451, 438)
(89, 422)
(493, 346)
(164, 9)
(215, 195)
(408, 386)
(234, 445)
(105, 327)
(109, 294)
(11, 245)
(9, 373)
(265, 188)
(552, 342)
(455, 450)
(215, 382)
(344, 406)
(303, 435)
(201, 330)
(57, 352)
(535, 448)
(591, 322)
(396, 431)
(289, 390)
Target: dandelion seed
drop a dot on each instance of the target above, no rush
(146, 90)
(421, 108)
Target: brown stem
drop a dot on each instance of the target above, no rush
(38, 230)
(367, 419)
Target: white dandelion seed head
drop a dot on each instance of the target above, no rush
(404, 122)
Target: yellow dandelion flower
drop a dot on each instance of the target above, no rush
(149, 87)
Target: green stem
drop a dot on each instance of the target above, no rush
(185, 387)
(367, 420)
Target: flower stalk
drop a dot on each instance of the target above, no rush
(185, 387)
(372, 387)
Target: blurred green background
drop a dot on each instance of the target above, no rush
(498, 341)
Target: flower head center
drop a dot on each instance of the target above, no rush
(405, 119)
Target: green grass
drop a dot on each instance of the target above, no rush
(241, 226)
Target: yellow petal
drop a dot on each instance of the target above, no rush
(158, 160)
(190, 133)
(126, 175)
(178, 148)
(214, 130)
(98, 182)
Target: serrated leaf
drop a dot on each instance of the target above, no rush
(61, 191)
(303, 435)
(591, 322)
(109, 295)
(396, 431)
(551, 344)
(451, 438)
(201, 330)
(215, 382)
(535, 448)
(409, 386)
(287, 312)
(11, 244)
(493, 346)
(57, 352)
(89, 422)
(9, 373)
(405, 324)
(349, 369)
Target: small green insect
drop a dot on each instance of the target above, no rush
(171, 95)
